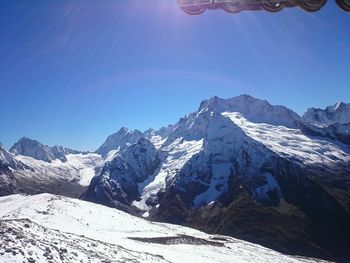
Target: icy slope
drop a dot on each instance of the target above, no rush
(7, 165)
(175, 156)
(69, 176)
(293, 144)
(79, 168)
(6, 158)
(255, 110)
(225, 140)
(119, 178)
(48, 227)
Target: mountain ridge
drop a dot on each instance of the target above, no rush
(221, 169)
(339, 113)
(35, 149)
(243, 145)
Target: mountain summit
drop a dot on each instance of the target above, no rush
(240, 167)
(118, 139)
(233, 164)
(33, 148)
(338, 113)
(255, 110)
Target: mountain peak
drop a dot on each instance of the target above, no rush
(238, 99)
(255, 110)
(27, 139)
(337, 113)
(339, 106)
(124, 130)
(119, 139)
(29, 147)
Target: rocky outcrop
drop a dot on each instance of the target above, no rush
(337, 113)
(38, 151)
(121, 138)
(118, 183)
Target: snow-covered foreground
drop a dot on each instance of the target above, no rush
(47, 227)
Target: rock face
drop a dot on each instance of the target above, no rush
(6, 158)
(7, 179)
(118, 182)
(119, 139)
(341, 131)
(227, 154)
(239, 167)
(337, 113)
(31, 169)
(38, 151)
(255, 110)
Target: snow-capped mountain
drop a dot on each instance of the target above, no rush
(337, 113)
(240, 167)
(69, 178)
(119, 179)
(7, 164)
(255, 110)
(36, 168)
(235, 158)
(33, 148)
(222, 132)
(49, 228)
(6, 158)
(115, 141)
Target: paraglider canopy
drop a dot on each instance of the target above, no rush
(196, 7)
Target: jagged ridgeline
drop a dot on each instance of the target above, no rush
(240, 167)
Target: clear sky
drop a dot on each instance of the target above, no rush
(73, 72)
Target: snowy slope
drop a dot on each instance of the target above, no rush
(79, 168)
(175, 156)
(7, 165)
(48, 227)
(68, 175)
(292, 143)
(225, 138)
(7, 158)
(255, 110)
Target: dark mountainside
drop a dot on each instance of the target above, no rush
(275, 200)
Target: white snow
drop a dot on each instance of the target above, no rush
(157, 141)
(78, 167)
(176, 155)
(109, 231)
(6, 157)
(220, 176)
(256, 110)
(289, 142)
(111, 155)
(260, 192)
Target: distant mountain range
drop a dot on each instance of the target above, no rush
(32, 148)
(239, 167)
(337, 113)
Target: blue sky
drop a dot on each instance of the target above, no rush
(73, 72)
